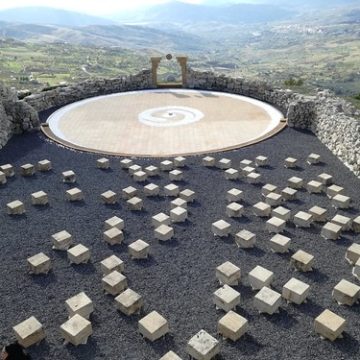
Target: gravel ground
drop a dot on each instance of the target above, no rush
(178, 280)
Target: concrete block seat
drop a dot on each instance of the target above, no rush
(275, 225)
(139, 249)
(261, 209)
(178, 202)
(129, 302)
(203, 346)
(289, 194)
(313, 159)
(356, 269)
(160, 219)
(268, 188)
(319, 214)
(226, 298)
(188, 195)
(260, 277)
(76, 330)
(135, 204)
(244, 163)
(280, 244)
(329, 325)
(152, 170)
(44, 165)
(27, 170)
(331, 231)
(334, 190)
(253, 178)
(109, 197)
(79, 254)
(224, 164)
(346, 293)
(176, 175)
(228, 273)
(153, 326)
(114, 283)
(151, 190)
(114, 222)
(247, 170)
(282, 213)
(352, 254)
(69, 176)
(79, 304)
(29, 332)
(8, 170)
(273, 199)
(232, 326)
(39, 198)
(164, 232)
(261, 161)
(3, 179)
(170, 355)
(39, 264)
(290, 163)
(171, 190)
(267, 301)
(113, 236)
(303, 219)
(111, 264)
(129, 192)
(74, 194)
(341, 201)
(103, 163)
(295, 291)
(126, 163)
(140, 176)
(166, 165)
(325, 179)
(134, 169)
(356, 225)
(245, 239)
(231, 174)
(302, 261)
(15, 207)
(180, 161)
(221, 228)
(178, 214)
(234, 210)
(61, 240)
(343, 221)
(234, 195)
(295, 182)
(208, 161)
(314, 186)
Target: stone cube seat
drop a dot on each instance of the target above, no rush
(346, 293)
(302, 261)
(261, 161)
(295, 291)
(151, 190)
(273, 199)
(232, 326)
(187, 195)
(208, 161)
(281, 213)
(247, 170)
(153, 326)
(303, 219)
(226, 298)
(178, 202)
(244, 163)
(114, 283)
(39, 198)
(176, 175)
(203, 346)
(111, 264)
(344, 221)
(160, 219)
(178, 214)
(267, 301)
(313, 159)
(152, 170)
(290, 163)
(114, 222)
(166, 165)
(62, 240)
(224, 164)
(352, 254)
(39, 264)
(260, 277)
(103, 163)
(179, 161)
(74, 194)
(8, 170)
(76, 330)
(295, 182)
(164, 232)
(79, 254)
(356, 269)
(245, 239)
(27, 170)
(129, 192)
(275, 225)
(228, 273)
(221, 228)
(15, 208)
(319, 214)
(329, 325)
(325, 179)
(267, 189)
(341, 201)
(262, 209)
(253, 178)
(356, 224)
(109, 197)
(170, 355)
(231, 174)
(280, 244)
(79, 304)
(171, 190)
(234, 210)
(113, 236)
(333, 190)
(126, 163)
(3, 179)
(69, 176)
(314, 186)
(44, 165)
(135, 204)
(129, 302)
(331, 231)
(140, 176)
(139, 249)
(134, 169)
(289, 194)
(29, 332)
(234, 195)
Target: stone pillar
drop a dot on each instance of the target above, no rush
(155, 61)
(182, 60)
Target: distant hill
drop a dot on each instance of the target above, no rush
(50, 16)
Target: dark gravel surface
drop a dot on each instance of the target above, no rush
(179, 279)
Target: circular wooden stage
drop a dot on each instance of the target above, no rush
(163, 123)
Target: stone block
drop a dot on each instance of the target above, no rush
(262, 209)
(151, 190)
(139, 249)
(280, 244)
(152, 170)
(313, 159)
(261, 161)
(228, 273)
(234, 195)
(273, 199)
(356, 224)
(170, 355)
(325, 179)
(164, 232)
(203, 346)
(352, 254)
(178, 214)
(29, 332)
(110, 264)
(234, 210)
(74, 194)
(231, 174)
(331, 231)
(346, 293)
(232, 326)
(248, 170)
(166, 165)
(129, 302)
(244, 163)
(44, 165)
(245, 239)
(260, 277)
(253, 178)
(134, 169)
(8, 170)
(226, 298)
(62, 240)
(344, 221)
(103, 163)
(140, 176)
(275, 225)
(113, 236)
(208, 161)
(39, 264)
(318, 213)
(188, 195)
(15, 208)
(295, 182)
(176, 175)
(3, 180)
(314, 186)
(179, 161)
(114, 283)
(27, 170)
(160, 219)
(302, 261)
(267, 189)
(341, 201)
(329, 325)
(129, 192)
(178, 202)
(303, 219)
(135, 204)
(39, 198)
(171, 190)
(333, 190)
(69, 176)
(79, 254)
(221, 228)
(224, 164)
(295, 291)
(126, 163)
(79, 304)
(281, 213)
(267, 301)
(114, 222)
(153, 326)
(76, 330)
(290, 163)
(356, 270)
(109, 197)
(289, 194)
